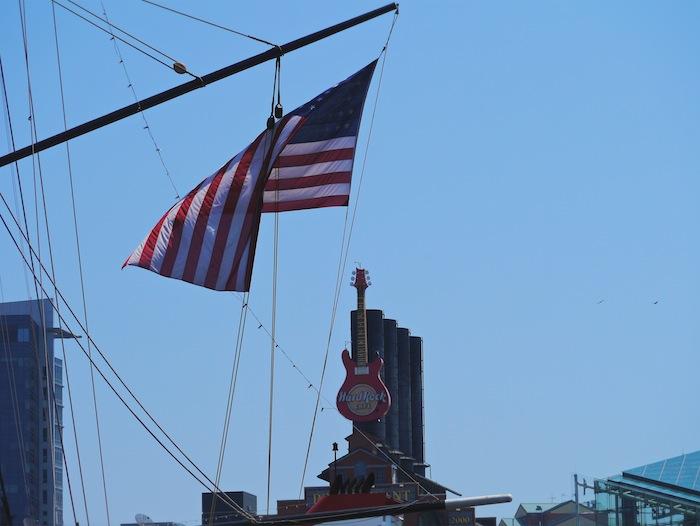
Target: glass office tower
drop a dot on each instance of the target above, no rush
(31, 407)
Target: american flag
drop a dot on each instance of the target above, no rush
(208, 237)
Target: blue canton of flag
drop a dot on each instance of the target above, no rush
(315, 167)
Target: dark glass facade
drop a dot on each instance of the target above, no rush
(31, 459)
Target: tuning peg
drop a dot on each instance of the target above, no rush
(354, 272)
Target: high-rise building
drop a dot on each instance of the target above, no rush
(31, 407)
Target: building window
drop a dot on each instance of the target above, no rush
(23, 334)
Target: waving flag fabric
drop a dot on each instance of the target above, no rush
(208, 237)
(314, 168)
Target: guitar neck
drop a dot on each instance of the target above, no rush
(361, 345)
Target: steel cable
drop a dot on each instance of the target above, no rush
(169, 66)
(345, 248)
(62, 298)
(51, 418)
(229, 406)
(146, 126)
(213, 24)
(82, 291)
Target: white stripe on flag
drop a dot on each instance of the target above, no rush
(191, 221)
(207, 248)
(297, 194)
(313, 169)
(242, 204)
(239, 215)
(304, 148)
(163, 238)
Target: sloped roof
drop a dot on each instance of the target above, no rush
(569, 506)
(682, 471)
(535, 507)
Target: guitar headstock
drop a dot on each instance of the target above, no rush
(360, 279)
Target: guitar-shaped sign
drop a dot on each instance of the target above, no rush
(363, 397)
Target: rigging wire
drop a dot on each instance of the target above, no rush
(62, 298)
(133, 413)
(331, 405)
(278, 346)
(275, 261)
(112, 27)
(231, 392)
(11, 135)
(146, 126)
(48, 368)
(75, 437)
(5, 330)
(272, 358)
(82, 290)
(18, 183)
(210, 23)
(169, 66)
(346, 257)
(345, 248)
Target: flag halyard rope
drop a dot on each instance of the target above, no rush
(275, 262)
(229, 406)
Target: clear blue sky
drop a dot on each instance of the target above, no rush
(531, 192)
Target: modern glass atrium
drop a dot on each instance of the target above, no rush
(664, 493)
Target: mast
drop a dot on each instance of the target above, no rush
(192, 85)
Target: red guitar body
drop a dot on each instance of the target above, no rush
(363, 397)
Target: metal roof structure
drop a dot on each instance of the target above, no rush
(682, 471)
(672, 484)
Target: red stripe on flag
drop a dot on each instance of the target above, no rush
(149, 247)
(227, 214)
(176, 233)
(252, 219)
(306, 182)
(147, 253)
(343, 154)
(201, 224)
(304, 204)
